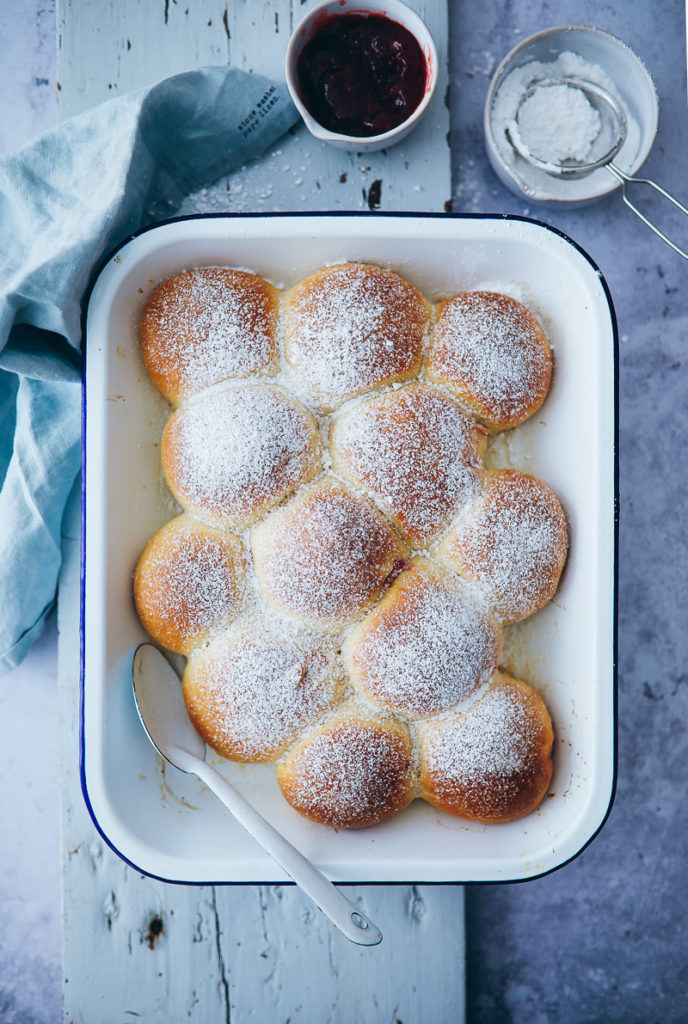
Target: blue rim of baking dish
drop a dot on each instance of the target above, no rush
(82, 586)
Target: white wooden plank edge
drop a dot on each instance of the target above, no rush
(133, 947)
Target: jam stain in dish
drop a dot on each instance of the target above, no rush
(361, 75)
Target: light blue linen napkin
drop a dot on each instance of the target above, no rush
(66, 199)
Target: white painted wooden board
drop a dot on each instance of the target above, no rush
(107, 47)
(135, 948)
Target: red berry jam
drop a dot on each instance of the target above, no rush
(398, 567)
(361, 75)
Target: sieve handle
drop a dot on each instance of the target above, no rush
(625, 179)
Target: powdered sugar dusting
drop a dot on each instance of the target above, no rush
(235, 450)
(186, 584)
(427, 646)
(558, 123)
(352, 326)
(417, 454)
(349, 775)
(483, 757)
(513, 543)
(412, 461)
(536, 182)
(251, 696)
(493, 351)
(325, 555)
(205, 325)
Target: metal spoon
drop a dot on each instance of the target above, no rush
(160, 704)
(611, 110)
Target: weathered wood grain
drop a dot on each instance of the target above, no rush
(135, 948)
(106, 48)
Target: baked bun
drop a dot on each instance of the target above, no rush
(512, 543)
(206, 325)
(493, 354)
(351, 327)
(354, 770)
(237, 450)
(416, 453)
(250, 695)
(491, 762)
(426, 646)
(187, 583)
(325, 556)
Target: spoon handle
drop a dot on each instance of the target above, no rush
(348, 918)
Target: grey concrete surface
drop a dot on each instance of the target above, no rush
(604, 939)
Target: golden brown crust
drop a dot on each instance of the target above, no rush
(353, 771)
(250, 694)
(351, 327)
(206, 325)
(233, 452)
(491, 763)
(513, 543)
(187, 583)
(417, 454)
(426, 646)
(325, 556)
(492, 353)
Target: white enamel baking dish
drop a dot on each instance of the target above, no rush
(162, 821)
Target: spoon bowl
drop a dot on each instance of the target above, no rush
(161, 708)
(160, 705)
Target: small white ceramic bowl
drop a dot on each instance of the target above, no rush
(633, 85)
(394, 10)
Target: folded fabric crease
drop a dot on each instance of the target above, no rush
(66, 199)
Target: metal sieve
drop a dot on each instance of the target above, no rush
(612, 113)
